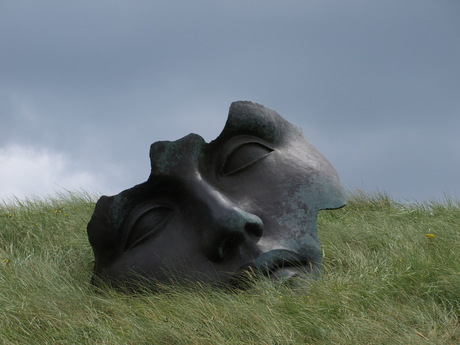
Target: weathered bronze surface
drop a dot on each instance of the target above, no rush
(245, 202)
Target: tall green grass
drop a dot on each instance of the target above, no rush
(391, 275)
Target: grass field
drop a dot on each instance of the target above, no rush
(391, 275)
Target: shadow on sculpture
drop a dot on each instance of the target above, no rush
(246, 202)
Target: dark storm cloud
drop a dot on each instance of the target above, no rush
(373, 84)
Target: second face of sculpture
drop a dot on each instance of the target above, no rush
(209, 211)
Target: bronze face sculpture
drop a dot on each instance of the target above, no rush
(245, 202)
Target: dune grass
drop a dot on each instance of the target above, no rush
(391, 275)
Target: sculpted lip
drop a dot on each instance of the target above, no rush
(279, 259)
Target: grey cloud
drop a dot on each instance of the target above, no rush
(102, 80)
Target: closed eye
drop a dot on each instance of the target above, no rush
(244, 156)
(144, 224)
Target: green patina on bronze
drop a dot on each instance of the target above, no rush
(247, 201)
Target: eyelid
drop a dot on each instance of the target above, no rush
(136, 217)
(248, 160)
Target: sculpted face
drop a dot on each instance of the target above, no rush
(210, 211)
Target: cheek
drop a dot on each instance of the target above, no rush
(282, 194)
(270, 184)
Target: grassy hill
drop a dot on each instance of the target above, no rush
(391, 275)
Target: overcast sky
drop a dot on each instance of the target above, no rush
(87, 86)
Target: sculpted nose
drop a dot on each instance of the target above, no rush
(231, 230)
(226, 226)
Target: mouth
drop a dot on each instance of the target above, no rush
(280, 264)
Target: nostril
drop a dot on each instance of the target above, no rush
(226, 245)
(254, 228)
